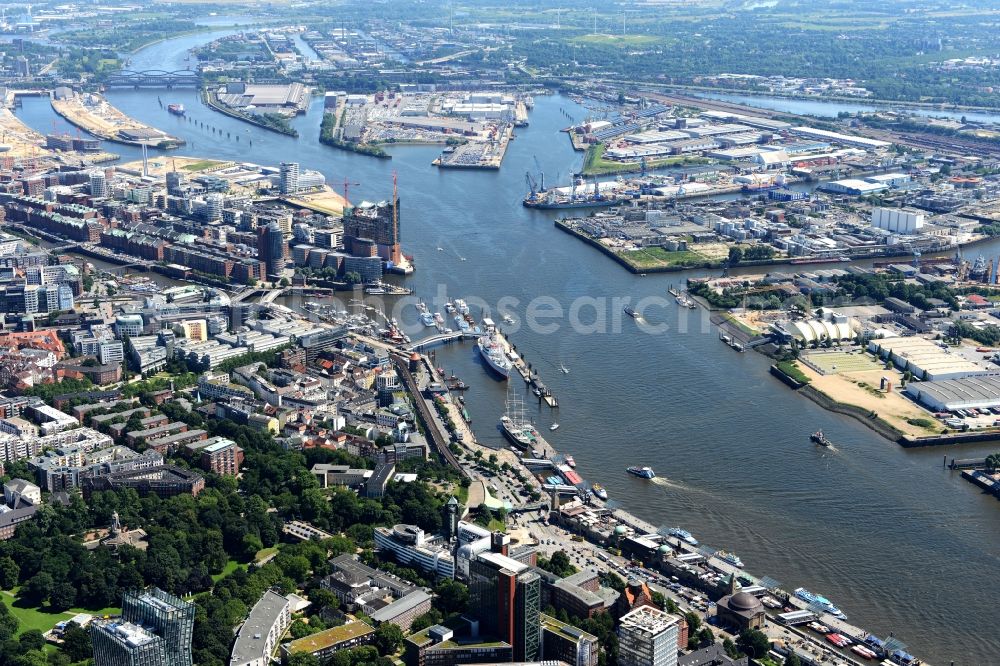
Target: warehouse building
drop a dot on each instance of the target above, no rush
(953, 394)
(924, 359)
(837, 137)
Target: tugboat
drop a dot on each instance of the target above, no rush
(819, 438)
(599, 490)
(642, 472)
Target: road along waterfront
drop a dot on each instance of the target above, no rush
(899, 543)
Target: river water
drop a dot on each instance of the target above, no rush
(899, 543)
(829, 108)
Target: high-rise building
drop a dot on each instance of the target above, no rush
(371, 223)
(154, 629)
(212, 210)
(648, 637)
(288, 182)
(21, 66)
(271, 248)
(175, 181)
(98, 185)
(564, 642)
(120, 643)
(505, 596)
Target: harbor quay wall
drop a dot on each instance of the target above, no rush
(861, 414)
(950, 438)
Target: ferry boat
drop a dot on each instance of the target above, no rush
(600, 491)
(818, 599)
(730, 558)
(683, 535)
(426, 318)
(569, 459)
(819, 438)
(632, 312)
(375, 290)
(642, 472)
(492, 350)
(176, 109)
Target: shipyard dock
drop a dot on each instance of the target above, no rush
(487, 154)
(93, 113)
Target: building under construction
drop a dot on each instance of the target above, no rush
(372, 229)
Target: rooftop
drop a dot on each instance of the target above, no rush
(250, 642)
(566, 630)
(648, 619)
(329, 637)
(393, 610)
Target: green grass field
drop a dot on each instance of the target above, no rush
(201, 165)
(616, 40)
(30, 617)
(836, 362)
(594, 163)
(231, 566)
(657, 257)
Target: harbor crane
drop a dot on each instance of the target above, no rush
(541, 174)
(532, 185)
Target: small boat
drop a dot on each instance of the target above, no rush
(863, 652)
(438, 318)
(632, 312)
(819, 438)
(563, 369)
(507, 319)
(176, 109)
(570, 461)
(449, 308)
(642, 472)
(819, 628)
(426, 318)
(600, 491)
(555, 426)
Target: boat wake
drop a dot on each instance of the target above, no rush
(666, 483)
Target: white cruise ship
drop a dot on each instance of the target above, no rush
(493, 350)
